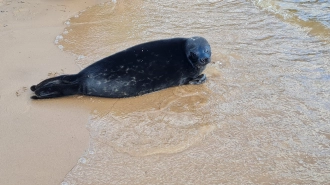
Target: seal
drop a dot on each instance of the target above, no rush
(138, 70)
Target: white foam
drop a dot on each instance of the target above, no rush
(59, 37)
(82, 160)
(81, 57)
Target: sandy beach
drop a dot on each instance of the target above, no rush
(39, 142)
(262, 117)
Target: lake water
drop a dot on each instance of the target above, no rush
(262, 117)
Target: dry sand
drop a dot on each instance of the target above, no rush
(40, 141)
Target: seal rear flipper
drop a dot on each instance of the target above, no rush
(33, 88)
(43, 94)
(64, 85)
(56, 91)
(63, 79)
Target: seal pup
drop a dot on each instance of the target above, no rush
(138, 70)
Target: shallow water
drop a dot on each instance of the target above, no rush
(312, 15)
(261, 118)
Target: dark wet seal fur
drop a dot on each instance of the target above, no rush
(135, 71)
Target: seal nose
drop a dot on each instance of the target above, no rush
(204, 61)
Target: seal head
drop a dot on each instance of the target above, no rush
(198, 51)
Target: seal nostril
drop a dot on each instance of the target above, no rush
(203, 60)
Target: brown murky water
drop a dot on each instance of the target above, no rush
(261, 118)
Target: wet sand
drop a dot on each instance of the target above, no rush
(39, 142)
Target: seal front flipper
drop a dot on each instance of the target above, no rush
(198, 80)
(64, 85)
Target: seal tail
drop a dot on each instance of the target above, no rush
(63, 85)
